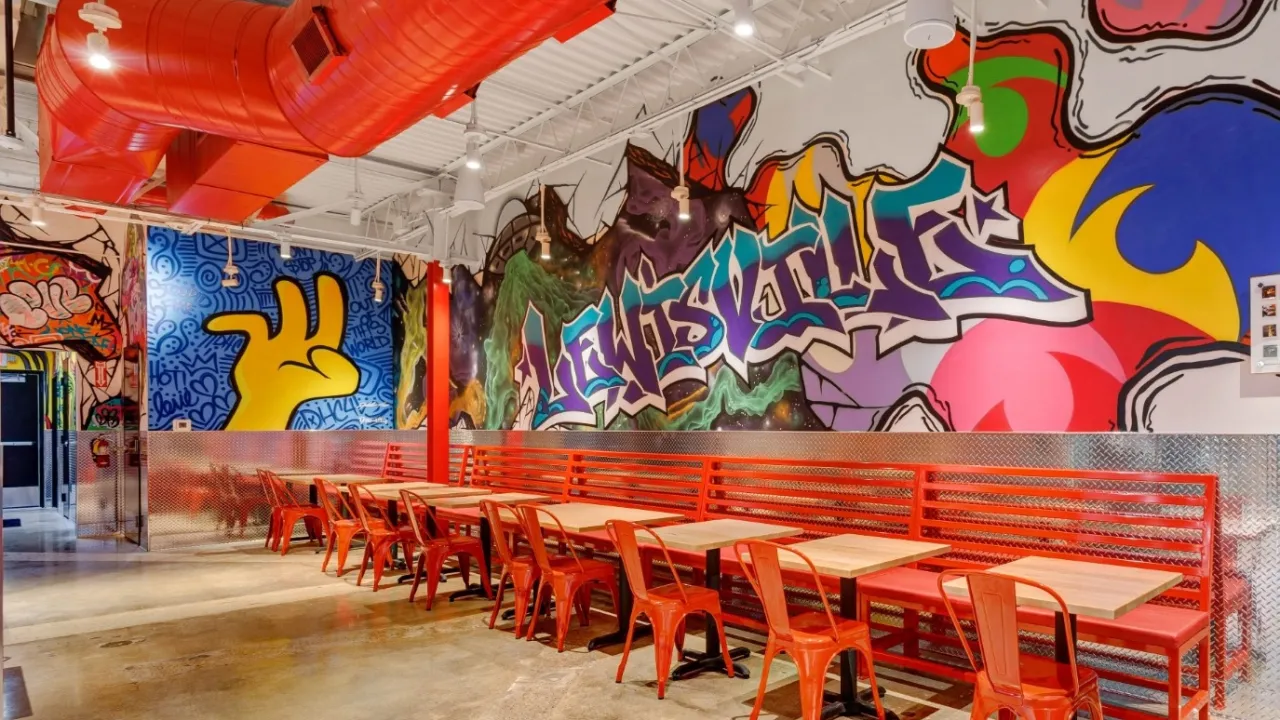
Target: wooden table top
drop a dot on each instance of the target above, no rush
(397, 487)
(1091, 589)
(301, 473)
(335, 479)
(427, 493)
(851, 556)
(466, 501)
(589, 517)
(716, 534)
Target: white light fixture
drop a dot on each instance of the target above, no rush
(102, 18)
(474, 134)
(286, 248)
(681, 192)
(377, 286)
(357, 197)
(397, 222)
(37, 214)
(230, 273)
(744, 19)
(448, 274)
(970, 96)
(929, 23)
(468, 194)
(542, 236)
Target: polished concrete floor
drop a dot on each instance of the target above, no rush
(236, 632)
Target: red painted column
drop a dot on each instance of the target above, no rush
(437, 380)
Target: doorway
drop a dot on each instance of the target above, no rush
(22, 438)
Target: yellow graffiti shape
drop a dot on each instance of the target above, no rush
(276, 372)
(1199, 292)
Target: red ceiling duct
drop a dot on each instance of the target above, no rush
(246, 99)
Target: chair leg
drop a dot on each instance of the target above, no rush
(626, 647)
(564, 592)
(537, 608)
(328, 552)
(364, 562)
(724, 643)
(866, 654)
(381, 556)
(497, 601)
(812, 668)
(435, 567)
(1203, 673)
(418, 569)
(664, 629)
(769, 652)
(287, 534)
(344, 547)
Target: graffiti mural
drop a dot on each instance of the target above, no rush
(60, 290)
(298, 345)
(409, 337)
(1029, 277)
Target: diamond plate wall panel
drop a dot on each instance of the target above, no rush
(1247, 609)
(97, 488)
(202, 487)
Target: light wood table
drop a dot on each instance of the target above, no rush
(381, 490)
(849, 557)
(1088, 588)
(285, 474)
(710, 537)
(335, 479)
(578, 518)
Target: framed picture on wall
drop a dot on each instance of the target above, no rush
(1263, 324)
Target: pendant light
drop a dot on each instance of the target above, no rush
(286, 248)
(474, 135)
(230, 273)
(102, 18)
(542, 236)
(357, 215)
(377, 286)
(37, 214)
(681, 191)
(929, 23)
(744, 19)
(970, 96)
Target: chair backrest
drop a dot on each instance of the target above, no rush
(284, 496)
(327, 492)
(763, 568)
(416, 509)
(995, 614)
(267, 489)
(492, 511)
(530, 517)
(368, 509)
(623, 534)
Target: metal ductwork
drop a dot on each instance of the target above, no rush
(246, 99)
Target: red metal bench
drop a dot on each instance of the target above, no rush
(405, 462)
(989, 515)
(994, 515)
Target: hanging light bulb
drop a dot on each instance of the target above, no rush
(102, 18)
(744, 19)
(473, 134)
(377, 286)
(970, 96)
(230, 273)
(37, 214)
(681, 192)
(542, 236)
(448, 274)
(468, 194)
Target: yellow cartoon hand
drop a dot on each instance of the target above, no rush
(276, 372)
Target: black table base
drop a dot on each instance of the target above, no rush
(698, 662)
(860, 706)
(848, 702)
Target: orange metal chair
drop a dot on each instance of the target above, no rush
(291, 511)
(1031, 687)
(812, 639)
(343, 526)
(438, 544)
(569, 578)
(522, 570)
(274, 520)
(380, 536)
(666, 606)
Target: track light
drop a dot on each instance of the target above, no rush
(473, 134)
(744, 19)
(37, 214)
(357, 215)
(286, 250)
(377, 286)
(102, 18)
(230, 273)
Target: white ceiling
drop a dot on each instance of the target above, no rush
(654, 59)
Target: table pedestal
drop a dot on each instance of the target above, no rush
(484, 588)
(711, 659)
(847, 702)
(626, 601)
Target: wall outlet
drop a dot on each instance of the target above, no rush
(182, 425)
